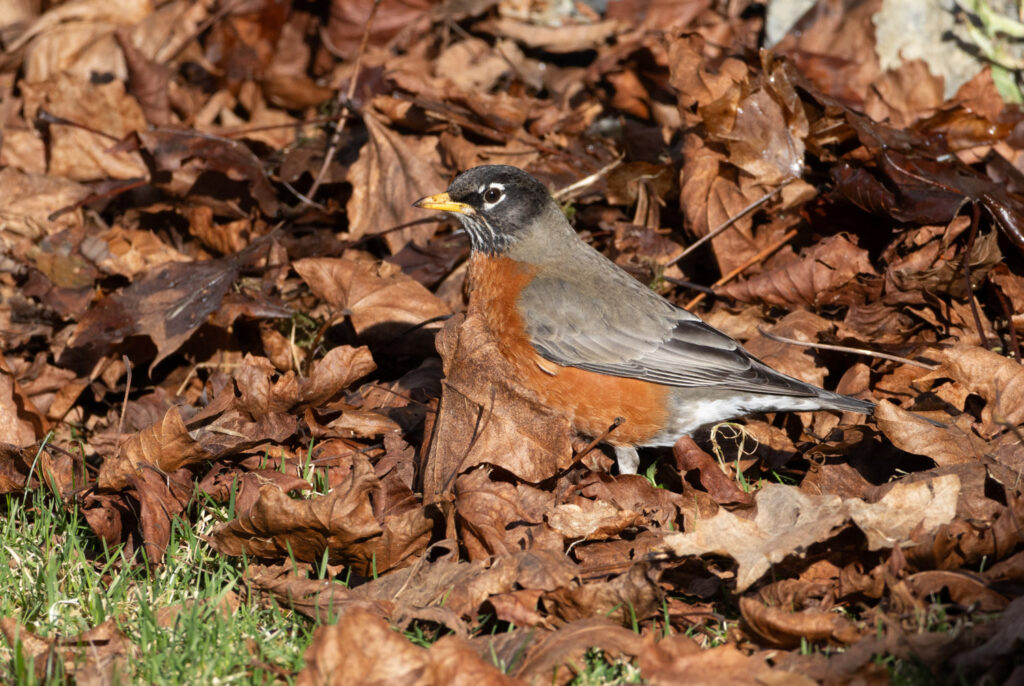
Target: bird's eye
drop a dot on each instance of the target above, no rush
(492, 195)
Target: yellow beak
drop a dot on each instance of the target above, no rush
(443, 203)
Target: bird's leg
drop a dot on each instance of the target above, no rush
(628, 458)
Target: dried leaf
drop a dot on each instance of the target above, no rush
(486, 417)
(166, 445)
(825, 274)
(788, 522)
(590, 519)
(390, 170)
(382, 304)
(362, 649)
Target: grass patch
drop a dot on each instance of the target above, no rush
(187, 620)
(184, 618)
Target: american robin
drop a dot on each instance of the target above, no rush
(592, 341)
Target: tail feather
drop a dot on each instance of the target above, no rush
(835, 401)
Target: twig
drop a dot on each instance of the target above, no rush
(127, 389)
(403, 396)
(729, 222)
(847, 349)
(227, 8)
(1004, 303)
(346, 110)
(245, 130)
(619, 421)
(752, 261)
(304, 198)
(587, 180)
(478, 430)
(52, 119)
(203, 365)
(975, 219)
(293, 349)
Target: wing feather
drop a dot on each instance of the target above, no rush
(576, 326)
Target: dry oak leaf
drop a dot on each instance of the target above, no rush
(320, 599)
(96, 656)
(77, 153)
(28, 200)
(187, 154)
(591, 519)
(888, 523)
(454, 662)
(21, 424)
(789, 521)
(708, 198)
(692, 77)
(820, 276)
(334, 372)
(123, 11)
(277, 526)
(963, 587)
(634, 492)
(997, 379)
(362, 650)
(557, 39)
(391, 170)
(167, 304)
(130, 252)
(634, 595)
(783, 628)
(371, 295)
(567, 646)
(764, 130)
(349, 23)
(679, 660)
(263, 390)
(341, 522)
(23, 468)
(721, 487)
(486, 510)
(166, 445)
(160, 497)
(485, 416)
(949, 445)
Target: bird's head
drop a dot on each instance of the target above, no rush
(497, 205)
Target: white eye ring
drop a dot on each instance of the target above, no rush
(494, 193)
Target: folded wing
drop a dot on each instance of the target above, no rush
(574, 326)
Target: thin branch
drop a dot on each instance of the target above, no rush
(127, 390)
(1004, 303)
(298, 123)
(346, 109)
(304, 198)
(729, 222)
(587, 180)
(203, 365)
(740, 269)
(847, 349)
(619, 421)
(226, 9)
(975, 219)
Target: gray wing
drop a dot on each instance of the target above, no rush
(576, 325)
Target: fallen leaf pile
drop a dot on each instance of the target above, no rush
(214, 285)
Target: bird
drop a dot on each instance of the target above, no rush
(594, 343)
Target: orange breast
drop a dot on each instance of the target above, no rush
(592, 401)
